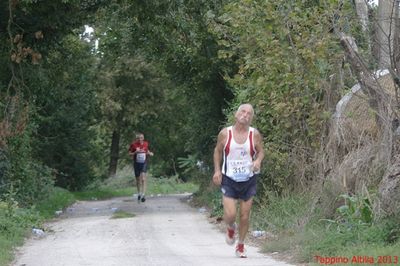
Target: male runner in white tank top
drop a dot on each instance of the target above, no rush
(237, 161)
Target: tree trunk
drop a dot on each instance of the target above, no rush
(367, 81)
(362, 13)
(385, 31)
(114, 153)
(395, 71)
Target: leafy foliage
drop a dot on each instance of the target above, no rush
(188, 164)
(174, 70)
(42, 86)
(176, 36)
(284, 55)
(354, 214)
(66, 102)
(24, 180)
(14, 222)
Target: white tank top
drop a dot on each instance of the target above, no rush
(238, 158)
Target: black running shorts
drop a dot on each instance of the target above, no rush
(139, 168)
(239, 190)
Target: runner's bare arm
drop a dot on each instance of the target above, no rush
(258, 144)
(217, 177)
(130, 152)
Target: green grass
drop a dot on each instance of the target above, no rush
(122, 214)
(316, 240)
(59, 199)
(303, 234)
(381, 254)
(124, 184)
(280, 214)
(8, 242)
(169, 186)
(378, 239)
(6, 246)
(15, 224)
(103, 193)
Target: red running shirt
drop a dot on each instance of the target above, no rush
(141, 156)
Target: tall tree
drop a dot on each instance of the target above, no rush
(34, 31)
(175, 34)
(362, 12)
(386, 28)
(66, 104)
(129, 90)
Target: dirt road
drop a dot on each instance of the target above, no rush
(164, 231)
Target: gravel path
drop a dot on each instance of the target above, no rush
(164, 231)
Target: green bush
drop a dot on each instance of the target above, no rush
(28, 180)
(355, 213)
(15, 223)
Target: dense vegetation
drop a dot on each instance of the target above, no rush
(72, 100)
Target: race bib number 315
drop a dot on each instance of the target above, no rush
(240, 169)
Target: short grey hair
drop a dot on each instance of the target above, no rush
(246, 104)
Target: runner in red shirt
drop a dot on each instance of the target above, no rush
(139, 149)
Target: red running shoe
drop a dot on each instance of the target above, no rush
(240, 251)
(230, 235)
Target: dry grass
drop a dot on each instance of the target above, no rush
(360, 142)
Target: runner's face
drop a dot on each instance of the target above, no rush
(244, 115)
(140, 138)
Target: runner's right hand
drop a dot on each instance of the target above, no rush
(217, 178)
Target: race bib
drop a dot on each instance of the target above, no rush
(140, 157)
(240, 169)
